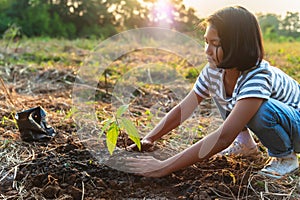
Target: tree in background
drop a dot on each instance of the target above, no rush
(78, 18)
(277, 28)
(172, 14)
(5, 20)
(129, 14)
(34, 18)
(104, 18)
(86, 18)
(269, 25)
(290, 25)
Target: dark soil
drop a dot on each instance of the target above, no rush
(63, 168)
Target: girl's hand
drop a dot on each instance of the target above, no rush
(147, 166)
(146, 145)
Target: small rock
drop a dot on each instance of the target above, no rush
(75, 192)
(51, 191)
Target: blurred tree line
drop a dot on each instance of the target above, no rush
(103, 18)
(90, 18)
(277, 28)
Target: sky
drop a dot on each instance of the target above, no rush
(205, 7)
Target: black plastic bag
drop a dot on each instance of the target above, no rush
(33, 125)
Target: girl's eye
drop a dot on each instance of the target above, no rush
(214, 43)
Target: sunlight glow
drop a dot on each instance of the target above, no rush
(162, 12)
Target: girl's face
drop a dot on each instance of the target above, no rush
(213, 49)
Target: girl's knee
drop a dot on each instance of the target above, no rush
(264, 117)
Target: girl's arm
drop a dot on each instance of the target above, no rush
(175, 117)
(213, 143)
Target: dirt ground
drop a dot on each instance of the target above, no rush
(63, 168)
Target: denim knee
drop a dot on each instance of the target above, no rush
(270, 127)
(263, 118)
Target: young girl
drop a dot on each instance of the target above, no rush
(249, 93)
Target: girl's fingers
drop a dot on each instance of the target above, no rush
(145, 146)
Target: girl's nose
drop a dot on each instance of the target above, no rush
(208, 49)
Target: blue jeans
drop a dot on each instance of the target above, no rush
(277, 126)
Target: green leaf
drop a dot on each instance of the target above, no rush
(107, 123)
(71, 112)
(121, 110)
(111, 137)
(131, 131)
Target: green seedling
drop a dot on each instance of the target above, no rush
(71, 113)
(7, 120)
(115, 125)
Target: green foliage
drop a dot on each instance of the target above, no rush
(280, 29)
(290, 25)
(4, 22)
(96, 31)
(37, 20)
(113, 127)
(112, 137)
(60, 29)
(9, 120)
(284, 55)
(12, 33)
(71, 113)
(192, 74)
(269, 25)
(101, 19)
(89, 18)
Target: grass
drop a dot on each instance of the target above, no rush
(285, 56)
(44, 53)
(47, 51)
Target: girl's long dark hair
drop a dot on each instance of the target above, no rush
(241, 38)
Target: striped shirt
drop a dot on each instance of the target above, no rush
(264, 82)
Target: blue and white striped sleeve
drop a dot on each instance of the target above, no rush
(259, 85)
(202, 82)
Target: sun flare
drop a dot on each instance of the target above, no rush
(162, 11)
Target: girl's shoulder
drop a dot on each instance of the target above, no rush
(267, 71)
(265, 65)
(263, 71)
